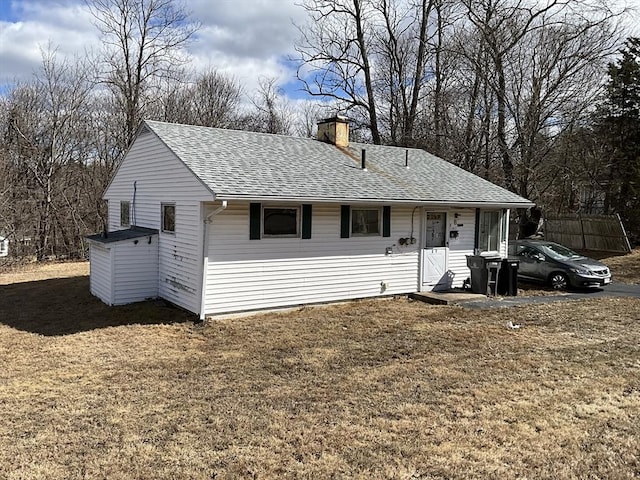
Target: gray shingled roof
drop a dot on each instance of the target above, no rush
(240, 164)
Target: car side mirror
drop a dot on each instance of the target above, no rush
(539, 257)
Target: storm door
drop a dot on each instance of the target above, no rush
(435, 251)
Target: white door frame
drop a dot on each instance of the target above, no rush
(433, 256)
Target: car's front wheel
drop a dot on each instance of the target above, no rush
(559, 281)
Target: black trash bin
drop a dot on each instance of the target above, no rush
(508, 279)
(485, 271)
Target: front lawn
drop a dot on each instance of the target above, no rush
(370, 389)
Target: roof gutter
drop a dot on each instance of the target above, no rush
(205, 254)
(387, 201)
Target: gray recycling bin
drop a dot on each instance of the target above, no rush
(508, 279)
(485, 272)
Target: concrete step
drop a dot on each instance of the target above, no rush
(450, 297)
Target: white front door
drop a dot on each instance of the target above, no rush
(435, 251)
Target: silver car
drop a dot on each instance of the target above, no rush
(560, 267)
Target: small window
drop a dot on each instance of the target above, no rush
(365, 221)
(168, 218)
(280, 222)
(125, 209)
(489, 231)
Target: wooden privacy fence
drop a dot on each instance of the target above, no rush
(588, 232)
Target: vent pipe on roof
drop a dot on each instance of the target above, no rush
(406, 158)
(364, 160)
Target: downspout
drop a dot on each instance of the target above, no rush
(476, 235)
(505, 231)
(205, 255)
(133, 221)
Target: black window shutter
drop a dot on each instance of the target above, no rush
(306, 221)
(345, 227)
(386, 221)
(255, 210)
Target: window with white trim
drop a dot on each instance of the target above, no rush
(365, 221)
(281, 221)
(125, 214)
(489, 232)
(168, 217)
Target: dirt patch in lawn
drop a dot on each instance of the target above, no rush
(370, 389)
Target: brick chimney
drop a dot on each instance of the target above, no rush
(334, 130)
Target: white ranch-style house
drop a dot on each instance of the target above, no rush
(219, 221)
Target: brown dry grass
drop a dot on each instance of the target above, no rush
(32, 271)
(625, 268)
(372, 389)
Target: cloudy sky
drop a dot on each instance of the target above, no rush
(246, 39)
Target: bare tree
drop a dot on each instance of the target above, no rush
(211, 100)
(271, 112)
(335, 59)
(45, 138)
(382, 62)
(143, 45)
(542, 55)
(308, 114)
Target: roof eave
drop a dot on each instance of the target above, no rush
(386, 201)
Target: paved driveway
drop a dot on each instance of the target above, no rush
(613, 290)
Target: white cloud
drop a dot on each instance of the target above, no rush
(250, 28)
(65, 26)
(245, 39)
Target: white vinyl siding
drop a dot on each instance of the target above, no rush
(125, 271)
(161, 178)
(245, 274)
(136, 270)
(181, 259)
(461, 246)
(100, 274)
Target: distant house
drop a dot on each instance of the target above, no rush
(220, 221)
(4, 246)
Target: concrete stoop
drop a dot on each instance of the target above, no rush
(449, 297)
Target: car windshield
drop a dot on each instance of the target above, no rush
(558, 252)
